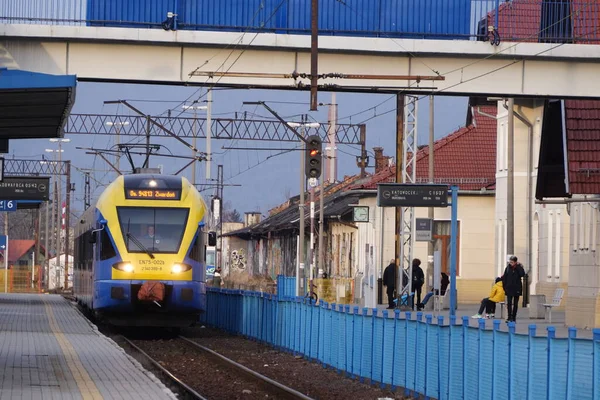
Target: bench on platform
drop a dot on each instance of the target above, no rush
(556, 300)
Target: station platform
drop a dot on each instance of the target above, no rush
(49, 350)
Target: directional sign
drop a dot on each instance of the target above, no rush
(8, 205)
(3, 240)
(411, 195)
(24, 188)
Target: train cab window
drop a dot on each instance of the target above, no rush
(107, 249)
(159, 230)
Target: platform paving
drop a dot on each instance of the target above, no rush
(49, 350)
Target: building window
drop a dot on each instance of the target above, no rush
(575, 228)
(581, 226)
(442, 241)
(550, 241)
(594, 227)
(557, 245)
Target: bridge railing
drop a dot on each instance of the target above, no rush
(435, 359)
(517, 20)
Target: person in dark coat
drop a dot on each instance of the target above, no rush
(513, 286)
(418, 279)
(389, 280)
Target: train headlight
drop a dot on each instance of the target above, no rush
(179, 268)
(124, 266)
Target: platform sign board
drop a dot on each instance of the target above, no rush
(24, 188)
(411, 195)
(3, 242)
(423, 229)
(8, 205)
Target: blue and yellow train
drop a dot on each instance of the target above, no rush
(140, 252)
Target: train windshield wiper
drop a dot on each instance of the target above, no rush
(139, 244)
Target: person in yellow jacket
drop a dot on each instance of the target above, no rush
(489, 303)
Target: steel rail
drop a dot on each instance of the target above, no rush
(284, 391)
(183, 389)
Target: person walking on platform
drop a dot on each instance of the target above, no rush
(513, 286)
(389, 280)
(489, 303)
(418, 279)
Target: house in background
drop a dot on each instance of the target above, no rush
(21, 254)
(25, 273)
(569, 172)
(467, 159)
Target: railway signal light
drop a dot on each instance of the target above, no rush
(313, 156)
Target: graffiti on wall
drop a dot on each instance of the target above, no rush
(237, 258)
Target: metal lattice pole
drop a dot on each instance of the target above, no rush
(409, 165)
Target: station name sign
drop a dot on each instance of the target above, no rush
(24, 188)
(152, 194)
(411, 195)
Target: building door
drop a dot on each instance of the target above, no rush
(441, 236)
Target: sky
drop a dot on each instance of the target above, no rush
(264, 176)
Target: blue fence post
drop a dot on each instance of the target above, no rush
(465, 328)
(439, 371)
(450, 329)
(428, 318)
(571, 360)
(349, 335)
(480, 365)
(596, 361)
(530, 366)
(407, 318)
(385, 317)
(363, 369)
(396, 318)
(373, 319)
(355, 334)
(551, 336)
(511, 352)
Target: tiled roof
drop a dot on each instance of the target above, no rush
(466, 158)
(582, 118)
(518, 20)
(521, 20)
(18, 248)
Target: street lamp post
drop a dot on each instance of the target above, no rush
(58, 186)
(303, 127)
(194, 130)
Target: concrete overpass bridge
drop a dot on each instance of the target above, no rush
(521, 48)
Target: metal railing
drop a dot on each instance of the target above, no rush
(423, 356)
(574, 21)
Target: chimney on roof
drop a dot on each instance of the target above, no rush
(251, 218)
(381, 161)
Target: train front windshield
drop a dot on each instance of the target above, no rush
(159, 230)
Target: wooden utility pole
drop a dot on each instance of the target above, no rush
(67, 221)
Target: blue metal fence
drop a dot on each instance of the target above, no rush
(516, 20)
(286, 287)
(453, 361)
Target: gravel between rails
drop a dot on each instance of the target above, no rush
(199, 371)
(306, 377)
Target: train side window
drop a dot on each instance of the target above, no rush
(106, 247)
(197, 251)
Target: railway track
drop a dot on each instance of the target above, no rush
(282, 391)
(175, 384)
(170, 360)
